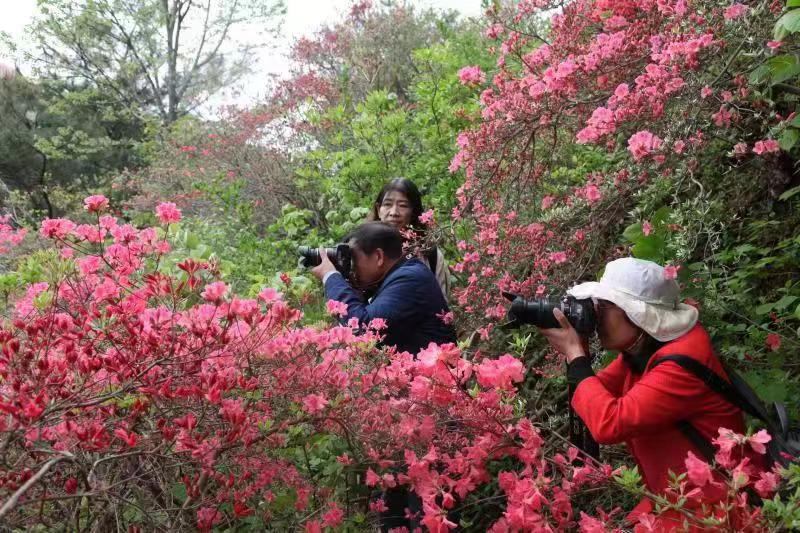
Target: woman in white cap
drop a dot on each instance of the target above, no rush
(648, 406)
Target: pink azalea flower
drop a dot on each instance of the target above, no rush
(774, 45)
(767, 484)
(773, 341)
(647, 228)
(500, 373)
(706, 91)
(558, 257)
(56, 228)
(427, 217)
(372, 478)
(95, 203)
(643, 143)
(379, 505)
(335, 308)
(333, 517)
(766, 146)
(168, 213)
(698, 470)
(269, 295)
(214, 291)
(207, 517)
(758, 441)
(740, 149)
(592, 193)
(472, 75)
(735, 11)
(314, 403)
(671, 271)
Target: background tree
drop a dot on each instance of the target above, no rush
(163, 56)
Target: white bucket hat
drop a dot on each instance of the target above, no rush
(650, 300)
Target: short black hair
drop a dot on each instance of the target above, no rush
(370, 236)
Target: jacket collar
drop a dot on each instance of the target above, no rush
(369, 294)
(638, 356)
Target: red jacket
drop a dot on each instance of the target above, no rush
(618, 405)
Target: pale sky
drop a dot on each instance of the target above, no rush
(303, 17)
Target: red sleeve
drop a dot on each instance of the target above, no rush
(613, 376)
(661, 398)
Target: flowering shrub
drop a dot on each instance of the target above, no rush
(617, 107)
(127, 388)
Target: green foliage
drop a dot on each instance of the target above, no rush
(784, 507)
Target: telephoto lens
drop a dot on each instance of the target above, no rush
(341, 257)
(310, 256)
(539, 312)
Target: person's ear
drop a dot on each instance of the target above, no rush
(381, 257)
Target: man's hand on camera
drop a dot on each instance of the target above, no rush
(324, 266)
(565, 339)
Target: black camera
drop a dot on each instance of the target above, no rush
(341, 257)
(539, 312)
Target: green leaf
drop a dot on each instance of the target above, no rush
(792, 3)
(785, 302)
(788, 139)
(179, 492)
(650, 248)
(790, 21)
(788, 194)
(633, 232)
(661, 216)
(759, 75)
(765, 308)
(783, 67)
(797, 312)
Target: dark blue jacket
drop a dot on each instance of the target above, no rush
(409, 298)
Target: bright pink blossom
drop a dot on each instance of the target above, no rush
(766, 146)
(671, 271)
(698, 470)
(95, 203)
(758, 441)
(56, 228)
(168, 213)
(207, 518)
(773, 341)
(501, 372)
(215, 291)
(472, 75)
(334, 516)
(337, 309)
(314, 403)
(735, 11)
(643, 143)
(647, 228)
(767, 484)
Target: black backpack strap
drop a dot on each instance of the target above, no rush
(714, 381)
(695, 437)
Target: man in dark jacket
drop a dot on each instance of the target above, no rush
(401, 291)
(405, 293)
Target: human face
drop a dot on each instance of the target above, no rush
(395, 209)
(615, 330)
(368, 269)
